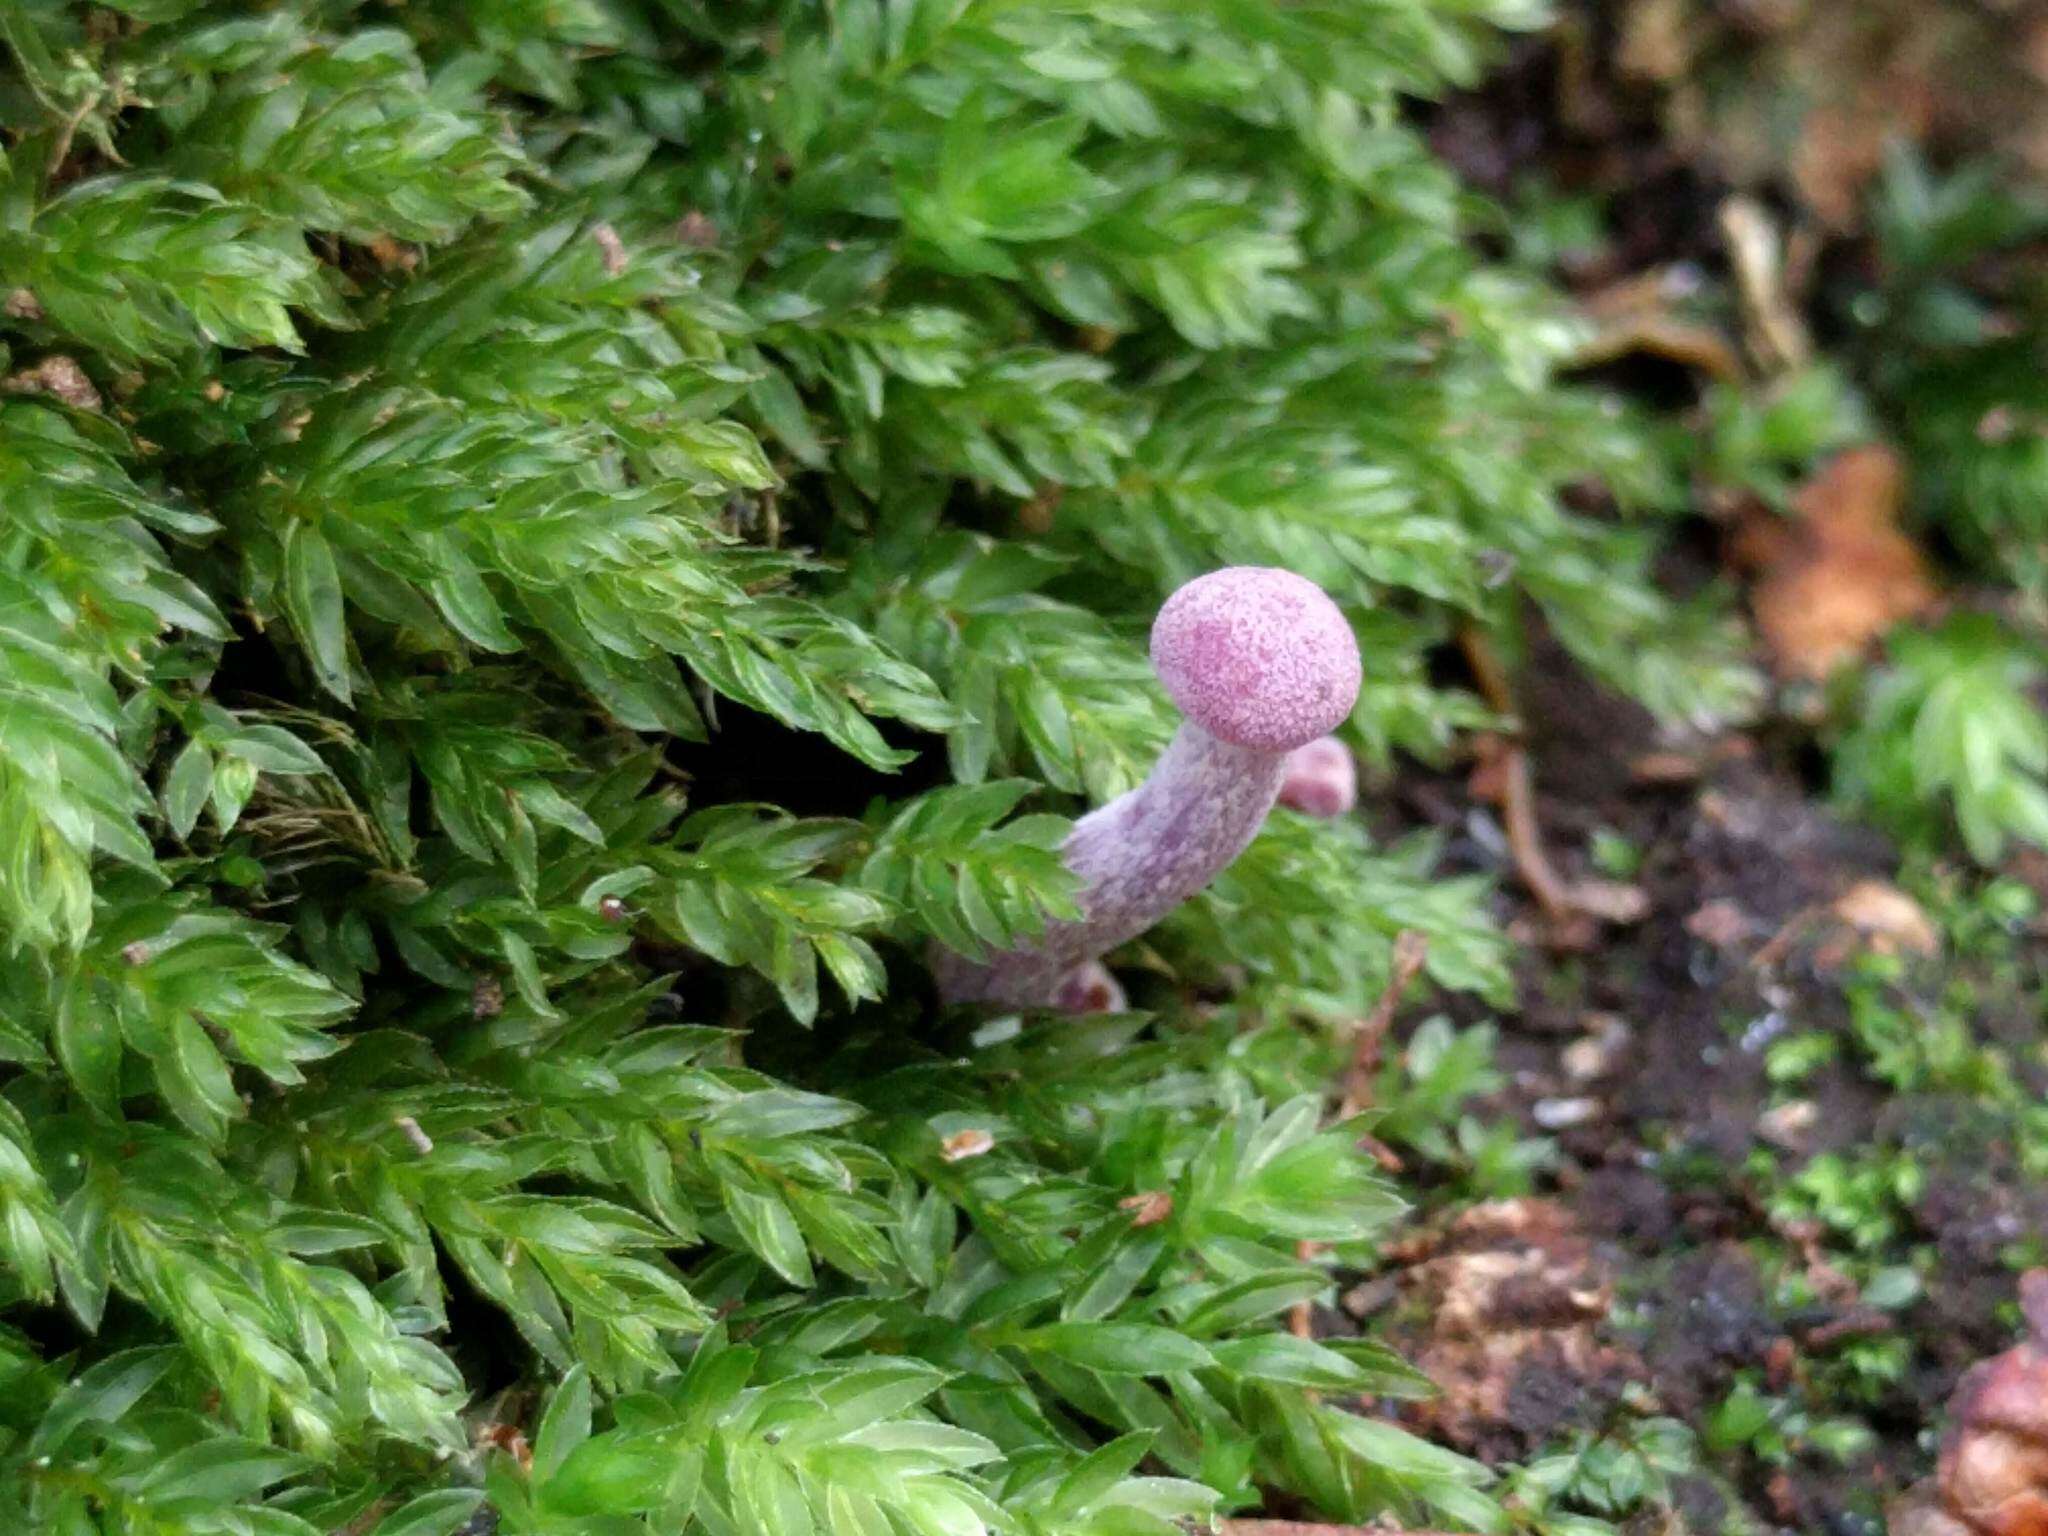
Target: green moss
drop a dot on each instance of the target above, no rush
(606, 529)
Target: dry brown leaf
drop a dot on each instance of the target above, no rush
(1685, 342)
(58, 376)
(1889, 920)
(1789, 1125)
(392, 255)
(962, 1145)
(1611, 901)
(1841, 575)
(695, 230)
(1036, 515)
(1148, 1208)
(1721, 923)
(1638, 314)
(1599, 1050)
(1992, 1478)
(510, 1439)
(1515, 1292)
(1666, 768)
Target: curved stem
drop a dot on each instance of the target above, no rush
(1139, 857)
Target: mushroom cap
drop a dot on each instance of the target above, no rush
(1257, 657)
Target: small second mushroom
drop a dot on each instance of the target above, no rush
(1260, 662)
(1322, 779)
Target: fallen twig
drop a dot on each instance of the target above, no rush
(1301, 1316)
(1788, 933)
(1517, 787)
(1860, 1323)
(1411, 949)
(1776, 335)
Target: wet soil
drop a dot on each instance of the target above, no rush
(1650, 1273)
(1653, 1270)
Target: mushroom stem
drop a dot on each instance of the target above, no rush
(1139, 857)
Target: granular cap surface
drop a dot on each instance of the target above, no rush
(1257, 656)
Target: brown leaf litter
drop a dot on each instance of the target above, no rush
(57, 376)
(1992, 1478)
(1838, 575)
(1513, 1296)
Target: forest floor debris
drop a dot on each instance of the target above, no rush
(1788, 1218)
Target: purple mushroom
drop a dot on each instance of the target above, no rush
(1322, 780)
(1260, 662)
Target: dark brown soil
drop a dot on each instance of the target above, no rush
(1643, 1053)
(1651, 1203)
